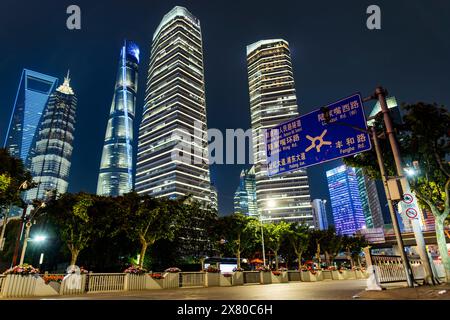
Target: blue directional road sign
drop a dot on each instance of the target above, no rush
(335, 131)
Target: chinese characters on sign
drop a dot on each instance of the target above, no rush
(311, 139)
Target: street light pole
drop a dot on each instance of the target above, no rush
(262, 241)
(398, 235)
(25, 241)
(381, 93)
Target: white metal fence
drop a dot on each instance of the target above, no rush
(106, 282)
(192, 279)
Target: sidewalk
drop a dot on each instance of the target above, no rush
(394, 292)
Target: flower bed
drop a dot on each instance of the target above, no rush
(135, 270)
(263, 269)
(52, 278)
(172, 270)
(226, 279)
(212, 269)
(23, 270)
(279, 276)
(157, 276)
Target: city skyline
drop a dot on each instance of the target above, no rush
(91, 139)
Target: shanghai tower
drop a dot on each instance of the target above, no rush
(116, 166)
(175, 104)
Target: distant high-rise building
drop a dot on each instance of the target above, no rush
(319, 214)
(245, 195)
(52, 147)
(345, 200)
(116, 166)
(214, 198)
(174, 115)
(272, 101)
(370, 201)
(31, 98)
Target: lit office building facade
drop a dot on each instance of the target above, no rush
(370, 200)
(319, 214)
(32, 96)
(345, 200)
(116, 167)
(52, 148)
(245, 195)
(272, 101)
(172, 159)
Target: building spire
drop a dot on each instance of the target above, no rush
(65, 87)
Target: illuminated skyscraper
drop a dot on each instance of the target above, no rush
(369, 200)
(116, 167)
(345, 200)
(245, 195)
(273, 100)
(31, 98)
(320, 214)
(52, 147)
(174, 115)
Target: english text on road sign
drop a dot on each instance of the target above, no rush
(318, 136)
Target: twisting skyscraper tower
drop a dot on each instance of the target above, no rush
(174, 114)
(116, 167)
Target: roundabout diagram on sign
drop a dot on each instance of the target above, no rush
(411, 213)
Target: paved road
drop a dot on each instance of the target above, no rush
(328, 289)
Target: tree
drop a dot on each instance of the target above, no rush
(331, 244)
(274, 234)
(239, 233)
(353, 247)
(424, 143)
(299, 237)
(12, 176)
(76, 221)
(147, 219)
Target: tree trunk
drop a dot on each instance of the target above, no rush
(299, 257)
(238, 257)
(442, 244)
(74, 257)
(276, 259)
(142, 256)
(318, 252)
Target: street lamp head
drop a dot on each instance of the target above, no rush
(39, 238)
(410, 172)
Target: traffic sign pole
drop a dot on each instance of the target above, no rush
(380, 93)
(398, 235)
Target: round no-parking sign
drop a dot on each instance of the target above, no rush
(411, 213)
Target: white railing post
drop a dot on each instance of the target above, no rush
(125, 281)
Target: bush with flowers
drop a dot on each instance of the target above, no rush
(227, 275)
(212, 269)
(276, 273)
(238, 269)
(331, 268)
(23, 270)
(52, 278)
(263, 269)
(282, 269)
(83, 270)
(172, 270)
(157, 276)
(135, 270)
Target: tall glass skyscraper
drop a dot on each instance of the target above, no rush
(31, 98)
(369, 200)
(174, 115)
(116, 166)
(52, 147)
(345, 200)
(273, 100)
(245, 195)
(320, 214)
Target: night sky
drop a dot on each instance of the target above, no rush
(333, 55)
